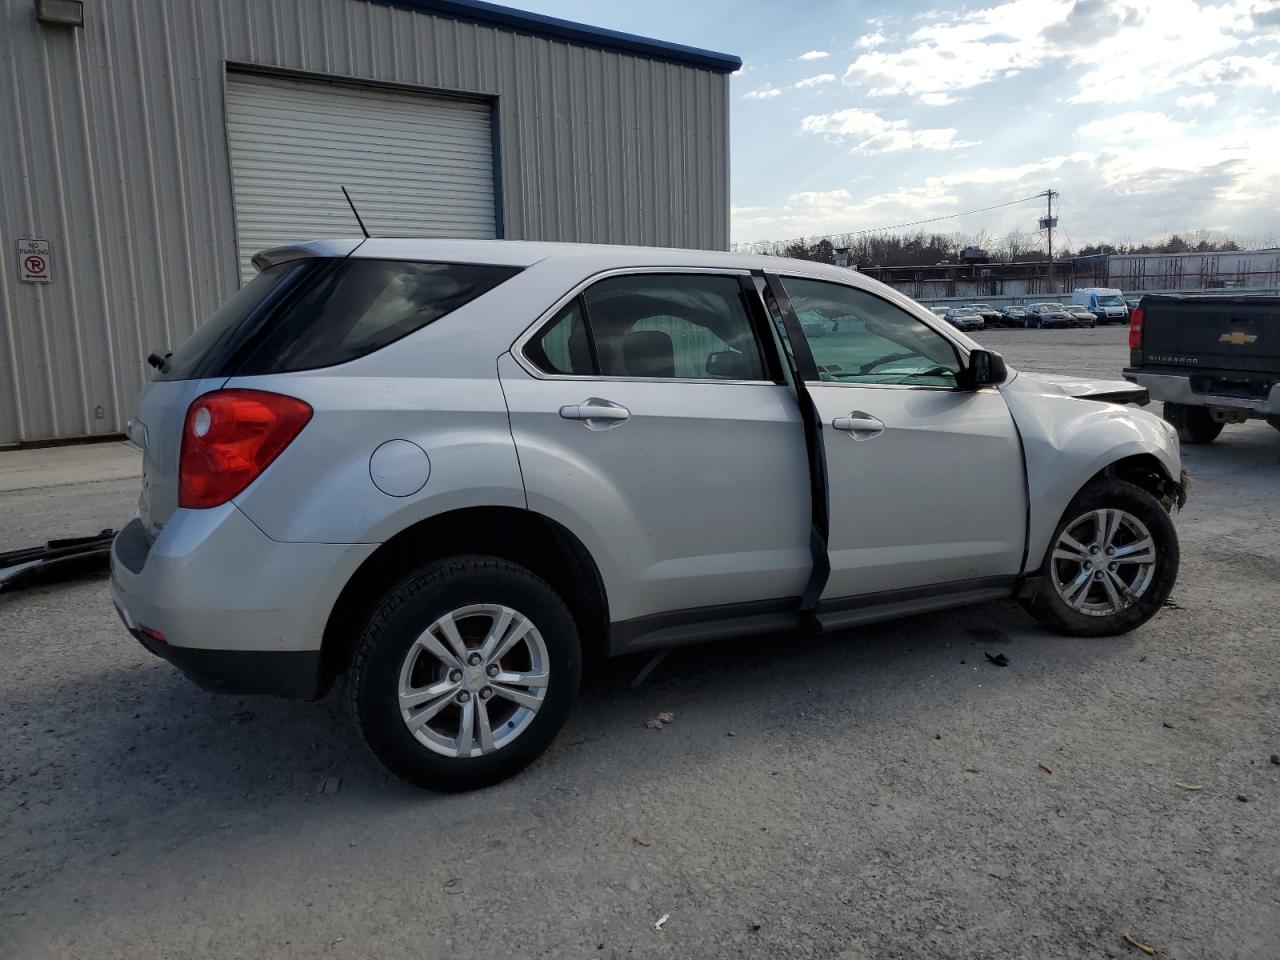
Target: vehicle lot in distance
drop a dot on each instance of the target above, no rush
(875, 793)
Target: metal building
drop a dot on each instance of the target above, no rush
(151, 147)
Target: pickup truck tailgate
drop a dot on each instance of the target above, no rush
(1216, 333)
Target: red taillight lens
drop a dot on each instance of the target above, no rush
(229, 438)
(1135, 329)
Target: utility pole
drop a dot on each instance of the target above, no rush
(1048, 223)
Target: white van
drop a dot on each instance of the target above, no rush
(1104, 302)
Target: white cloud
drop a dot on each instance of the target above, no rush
(814, 55)
(937, 99)
(871, 41)
(1197, 101)
(814, 81)
(873, 134)
(767, 92)
(1130, 129)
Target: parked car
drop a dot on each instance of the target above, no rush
(1047, 315)
(1105, 303)
(990, 315)
(964, 318)
(1213, 360)
(1014, 316)
(447, 470)
(1132, 303)
(1080, 317)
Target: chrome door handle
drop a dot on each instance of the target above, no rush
(863, 426)
(595, 409)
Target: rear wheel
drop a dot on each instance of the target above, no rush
(1274, 421)
(465, 673)
(1194, 424)
(1111, 564)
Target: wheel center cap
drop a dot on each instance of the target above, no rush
(474, 678)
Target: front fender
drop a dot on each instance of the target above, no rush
(1068, 441)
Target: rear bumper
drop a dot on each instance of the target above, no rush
(238, 611)
(1172, 388)
(291, 673)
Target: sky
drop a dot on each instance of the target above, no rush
(1149, 117)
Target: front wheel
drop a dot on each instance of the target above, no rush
(1194, 424)
(1111, 564)
(465, 673)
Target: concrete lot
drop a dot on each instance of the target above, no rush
(875, 794)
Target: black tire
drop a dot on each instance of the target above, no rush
(1052, 610)
(405, 612)
(1194, 424)
(1274, 421)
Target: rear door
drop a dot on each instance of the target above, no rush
(650, 421)
(926, 480)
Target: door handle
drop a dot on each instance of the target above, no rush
(863, 426)
(595, 409)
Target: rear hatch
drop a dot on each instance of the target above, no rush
(302, 312)
(1212, 333)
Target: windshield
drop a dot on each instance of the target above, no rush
(1111, 301)
(1052, 306)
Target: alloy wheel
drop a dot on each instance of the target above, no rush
(1103, 562)
(474, 680)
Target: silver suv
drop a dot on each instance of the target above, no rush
(445, 470)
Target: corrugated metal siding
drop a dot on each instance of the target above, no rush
(415, 165)
(115, 151)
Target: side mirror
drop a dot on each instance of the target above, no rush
(985, 369)
(726, 365)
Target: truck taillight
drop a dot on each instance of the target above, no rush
(1135, 329)
(229, 438)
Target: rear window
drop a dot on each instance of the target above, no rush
(318, 313)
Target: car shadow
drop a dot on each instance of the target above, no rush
(136, 756)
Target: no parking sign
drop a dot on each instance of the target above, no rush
(33, 261)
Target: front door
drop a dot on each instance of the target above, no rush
(926, 480)
(648, 422)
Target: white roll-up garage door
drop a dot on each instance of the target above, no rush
(415, 165)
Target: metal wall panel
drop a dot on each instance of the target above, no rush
(115, 151)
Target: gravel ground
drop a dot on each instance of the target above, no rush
(886, 793)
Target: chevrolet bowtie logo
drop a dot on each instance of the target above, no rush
(1238, 337)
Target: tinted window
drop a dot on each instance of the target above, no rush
(685, 326)
(214, 336)
(563, 346)
(856, 337)
(358, 306)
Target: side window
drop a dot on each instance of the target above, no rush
(685, 326)
(563, 346)
(856, 337)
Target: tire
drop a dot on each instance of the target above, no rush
(1052, 609)
(472, 592)
(1274, 421)
(1194, 424)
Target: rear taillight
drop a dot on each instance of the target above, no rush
(230, 437)
(1135, 329)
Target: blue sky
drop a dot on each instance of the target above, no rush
(1149, 116)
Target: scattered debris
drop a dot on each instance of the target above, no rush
(330, 785)
(937, 736)
(1188, 786)
(56, 559)
(660, 721)
(641, 842)
(1167, 725)
(1000, 660)
(1173, 606)
(1242, 798)
(334, 943)
(649, 667)
(1275, 758)
(662, 921)
(1045, 767)
(452, 886)
(732, 734)
(1149, 951)
(755, 924)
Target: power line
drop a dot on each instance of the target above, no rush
(898, 226)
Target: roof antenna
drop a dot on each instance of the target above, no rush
(363, 228)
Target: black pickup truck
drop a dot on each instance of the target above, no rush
(1213, 360)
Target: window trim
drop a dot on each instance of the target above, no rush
(547, 316)
(962, 350)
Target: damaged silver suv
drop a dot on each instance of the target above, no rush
(441, 471)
